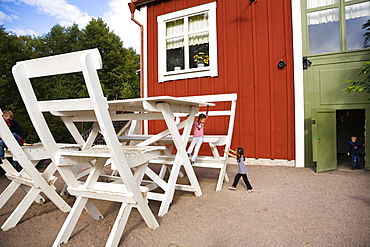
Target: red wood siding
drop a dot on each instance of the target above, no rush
(251, 41)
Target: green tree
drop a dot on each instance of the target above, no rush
(13, 49)
(363, 85)
(118, 75)
(119, 64)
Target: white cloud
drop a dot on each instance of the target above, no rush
(118, 19)
(64, 13)
(7, 18)
(20, 31)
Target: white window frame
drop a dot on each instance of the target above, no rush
(210, 70)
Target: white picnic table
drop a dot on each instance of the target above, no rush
(216, 142)
(153, 108)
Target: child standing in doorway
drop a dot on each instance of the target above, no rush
(354, 150)
(242, 169)
(198, 136)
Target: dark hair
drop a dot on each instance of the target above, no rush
(240, 152)
(201, 116)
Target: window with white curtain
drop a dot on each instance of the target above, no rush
(187, 43)
(356, 16)
(323, 31)
(326, 23)
(320, 3)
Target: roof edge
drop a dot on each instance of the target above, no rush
(139, 3)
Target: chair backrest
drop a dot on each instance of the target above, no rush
(53, 65)
(87, 62)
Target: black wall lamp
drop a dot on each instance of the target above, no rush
(281, 64)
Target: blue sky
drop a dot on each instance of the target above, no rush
(36, 17)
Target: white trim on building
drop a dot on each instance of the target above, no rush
(298, 83)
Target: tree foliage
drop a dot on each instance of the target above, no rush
(360, 86)
(118, 76)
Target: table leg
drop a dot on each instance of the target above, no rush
(70, 222)
(181, 157)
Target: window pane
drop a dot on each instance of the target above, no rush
(319, 3)
(323, 31)
(356, 16)
(175, 54)
(199, 50)
(199, 55)
(175, 27)
(198, 22)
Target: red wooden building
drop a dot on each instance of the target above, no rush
(241, 43)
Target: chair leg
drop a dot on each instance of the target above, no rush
(38, 199)
(70, 223)
(75, 171)
(93, 211)
(220, 179)
(8, 192)
(168, 194)
(56, 199)
(119, 225)
(21, 209)
(147, 215)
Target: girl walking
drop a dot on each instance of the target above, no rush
(242, 169)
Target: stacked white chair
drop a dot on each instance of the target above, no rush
(128, 190)
(29, 178)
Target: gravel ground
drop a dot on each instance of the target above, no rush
(289, 207)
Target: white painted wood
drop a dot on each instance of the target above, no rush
(217, 161)
(298, 84)
(95, 106)
(119, 225)
(30, 179)
(180, 156)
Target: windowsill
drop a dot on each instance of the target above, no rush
(187, 74)
(183, 71)
(340, 52)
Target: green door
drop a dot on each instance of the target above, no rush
(324, 139)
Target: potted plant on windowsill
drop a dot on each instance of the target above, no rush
(201, 59)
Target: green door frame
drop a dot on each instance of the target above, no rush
(322, 64)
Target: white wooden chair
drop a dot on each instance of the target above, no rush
(29, 178)
(128, 192)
